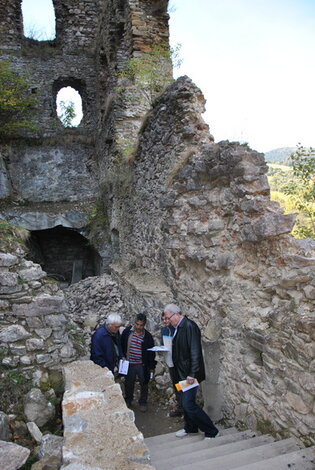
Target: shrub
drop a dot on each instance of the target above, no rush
(16, 101)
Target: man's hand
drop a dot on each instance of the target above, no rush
(190, 380)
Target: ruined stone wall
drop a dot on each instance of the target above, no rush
(95, 416)
(136, 28)
(95, 40)
(190, 220)
(34, 328)
(68, 60)
(199, 217)
(70, 168)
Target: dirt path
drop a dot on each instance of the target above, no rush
(156, 420)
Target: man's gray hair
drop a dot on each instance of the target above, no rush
(113, 318)
(172, 308)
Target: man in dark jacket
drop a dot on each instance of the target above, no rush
(106, 343)
(188, 363)
(136, 341)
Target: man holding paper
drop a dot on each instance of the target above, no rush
(137, 344)
(189, 366)
(105, 344)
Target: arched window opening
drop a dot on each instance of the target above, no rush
(69, 106)
(39, 22)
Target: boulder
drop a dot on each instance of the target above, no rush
(37, 408)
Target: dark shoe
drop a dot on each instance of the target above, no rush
(175, 414)
(143, 408)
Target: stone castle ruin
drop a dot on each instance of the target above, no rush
(141, 190)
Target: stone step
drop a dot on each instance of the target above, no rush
(167, 438)
(235, 459)
(213, 450)
(303, 459)
(195, 444)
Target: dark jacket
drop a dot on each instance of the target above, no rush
(167, 331)
(103, 350)
(187, 352)
(148, 360)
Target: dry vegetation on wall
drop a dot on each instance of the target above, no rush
(11, 237)
(149, 73)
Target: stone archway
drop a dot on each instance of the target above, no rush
(64, 254)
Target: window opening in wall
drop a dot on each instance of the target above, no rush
(69, 106)
(39, 20)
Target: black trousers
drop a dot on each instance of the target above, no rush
(195, 417)
(135, 371)
(174, 380)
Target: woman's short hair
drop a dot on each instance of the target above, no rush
(113, 318)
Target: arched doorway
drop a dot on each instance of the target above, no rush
(64, 254)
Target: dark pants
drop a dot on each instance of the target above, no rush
(135, 371)
(174, 380)
(195, 417)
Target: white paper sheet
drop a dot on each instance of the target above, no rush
(123, 366)
(158, 348)
(167, 341)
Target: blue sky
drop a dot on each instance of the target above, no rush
(254, 60)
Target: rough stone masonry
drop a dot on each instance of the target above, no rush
(187, 218)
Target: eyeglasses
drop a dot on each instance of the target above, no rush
(168, 318)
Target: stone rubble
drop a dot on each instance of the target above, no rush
(12, 456)
(91, 300)
(37, 408)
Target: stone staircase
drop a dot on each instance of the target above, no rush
(231, 450)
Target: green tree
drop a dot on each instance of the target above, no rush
(67, 113)
(301, 190)
(16, 101)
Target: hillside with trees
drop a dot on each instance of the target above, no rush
(292, 185)
(280, 155)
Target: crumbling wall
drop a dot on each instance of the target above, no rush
(96, 417)
(190, 220)
(199, 216)
(134, 30)
(68, 60)
(35, 333)
(95, 41)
